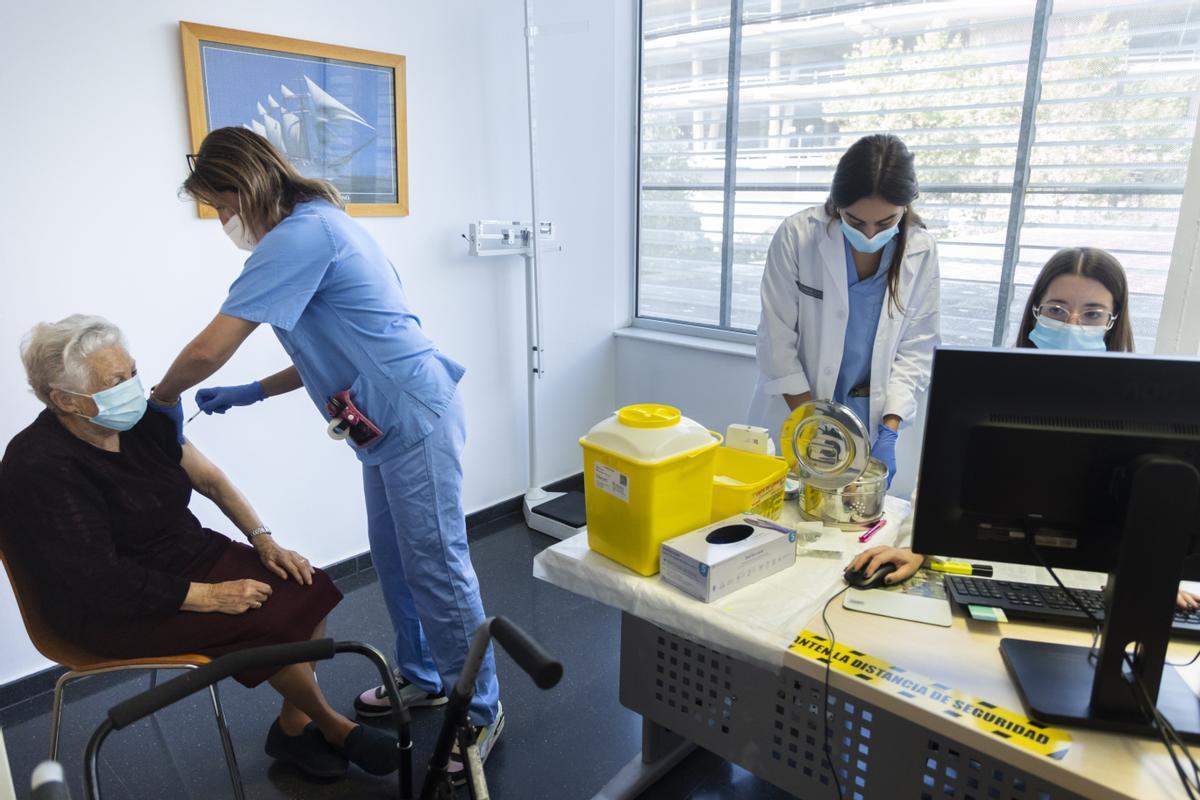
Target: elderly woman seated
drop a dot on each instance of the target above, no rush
(94, 513)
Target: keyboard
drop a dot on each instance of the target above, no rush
(1041, 603)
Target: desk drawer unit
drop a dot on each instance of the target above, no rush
(770, 724)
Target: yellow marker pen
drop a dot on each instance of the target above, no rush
(961, 568)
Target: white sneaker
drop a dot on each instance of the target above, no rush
(376, 703)
(485, 740)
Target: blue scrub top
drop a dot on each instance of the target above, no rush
(866, 304)
(338, 308)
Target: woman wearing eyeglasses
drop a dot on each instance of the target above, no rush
(1079, 302)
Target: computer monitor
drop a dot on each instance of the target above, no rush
(1083, 461)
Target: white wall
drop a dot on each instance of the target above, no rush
(1179, 326)
(93, 152)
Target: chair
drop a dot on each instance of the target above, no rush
(81, 664)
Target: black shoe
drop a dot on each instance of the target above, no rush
(308, 752)
(372, 751)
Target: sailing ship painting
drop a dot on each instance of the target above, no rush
(333, 120)
(319, 134)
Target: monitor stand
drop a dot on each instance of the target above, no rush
(1060, 684)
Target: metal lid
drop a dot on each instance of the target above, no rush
(826, 443)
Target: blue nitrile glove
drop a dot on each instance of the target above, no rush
(885, 450)
(173, 412)
(220, 399)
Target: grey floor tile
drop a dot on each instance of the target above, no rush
(558, 745)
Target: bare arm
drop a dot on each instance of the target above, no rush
(282, 382)
(203, 356)
(214, 484)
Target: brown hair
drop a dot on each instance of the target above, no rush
(1089, 262)
(878, 166)
(267, 185)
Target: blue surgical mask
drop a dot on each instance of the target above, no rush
(1050, 334)
(118, 408)
(859, 241)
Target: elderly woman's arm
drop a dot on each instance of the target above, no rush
(214, 484)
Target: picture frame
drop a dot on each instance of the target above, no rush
(337, 113)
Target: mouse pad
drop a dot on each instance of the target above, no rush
(921, 598)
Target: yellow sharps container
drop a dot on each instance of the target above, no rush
(648, 477)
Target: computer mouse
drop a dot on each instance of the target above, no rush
(858, 579)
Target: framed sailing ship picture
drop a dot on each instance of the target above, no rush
(336, 113)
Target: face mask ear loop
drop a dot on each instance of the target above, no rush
(77, 394)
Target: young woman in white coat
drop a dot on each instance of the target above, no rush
(850, 300)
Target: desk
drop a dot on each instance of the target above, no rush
(764, 714)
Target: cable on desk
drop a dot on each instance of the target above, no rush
(1185, 663)
(1170, 737)
(837, 784)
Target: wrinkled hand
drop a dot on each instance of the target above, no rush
(907, 562)
(237, 597)
(884, 449)
(172, 411)
(284, 563)
(1186, 601)
(219, 399)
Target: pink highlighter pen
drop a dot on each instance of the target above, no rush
(871, 531)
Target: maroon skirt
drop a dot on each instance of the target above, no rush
(290, 614)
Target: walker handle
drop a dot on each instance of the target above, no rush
(529, 655)
(192, 681)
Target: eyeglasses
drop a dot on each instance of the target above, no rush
(1090, 317)
(191, 162)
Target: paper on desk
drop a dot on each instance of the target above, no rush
(1021, 573)
(758, 622)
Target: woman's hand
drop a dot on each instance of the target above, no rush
(1186, 601)
(907, 562)
(884, 449)
(228, 597)
(219, 399)
(283, 563)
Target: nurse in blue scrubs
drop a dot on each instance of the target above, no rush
(853, 387)
(337, 306)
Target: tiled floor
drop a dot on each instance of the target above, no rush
(558, 745)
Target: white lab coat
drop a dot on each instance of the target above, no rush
(802, 331)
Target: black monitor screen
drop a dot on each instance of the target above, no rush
(1026, 442)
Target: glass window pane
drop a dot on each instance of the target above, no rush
(757, 215)
(1115, 122)
(679, 256)
(811, 85)
(1120, 91)
(970, 228)
(685, 77)
(661, 17)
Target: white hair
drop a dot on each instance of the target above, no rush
(56, 354)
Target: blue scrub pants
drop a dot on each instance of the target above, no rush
(418, 540)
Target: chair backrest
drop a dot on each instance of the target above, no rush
(47, 642)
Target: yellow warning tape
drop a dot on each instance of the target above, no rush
(1011, 726)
